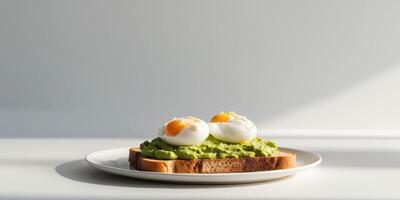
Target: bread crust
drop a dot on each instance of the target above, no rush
(280, 160)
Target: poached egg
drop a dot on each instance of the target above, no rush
(231, 127)
(184, 131)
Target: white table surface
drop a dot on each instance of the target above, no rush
(47, 168)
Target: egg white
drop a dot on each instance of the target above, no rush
(236, 130)
(193, 134)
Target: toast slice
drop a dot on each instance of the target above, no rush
(280, 160)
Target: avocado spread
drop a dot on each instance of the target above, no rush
(210, 148)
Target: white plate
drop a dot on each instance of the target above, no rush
(116, 161)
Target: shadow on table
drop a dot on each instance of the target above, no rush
(79, 170)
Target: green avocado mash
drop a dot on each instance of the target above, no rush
(210, 148)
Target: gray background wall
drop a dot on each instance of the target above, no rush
(121, 68)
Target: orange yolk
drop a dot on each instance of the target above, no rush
(174, 127)
(222, 117)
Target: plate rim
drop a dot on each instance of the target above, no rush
(300, 168)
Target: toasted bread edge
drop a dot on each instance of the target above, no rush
(280, 160)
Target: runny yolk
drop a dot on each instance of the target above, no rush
(222, 117)
(174, 127)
